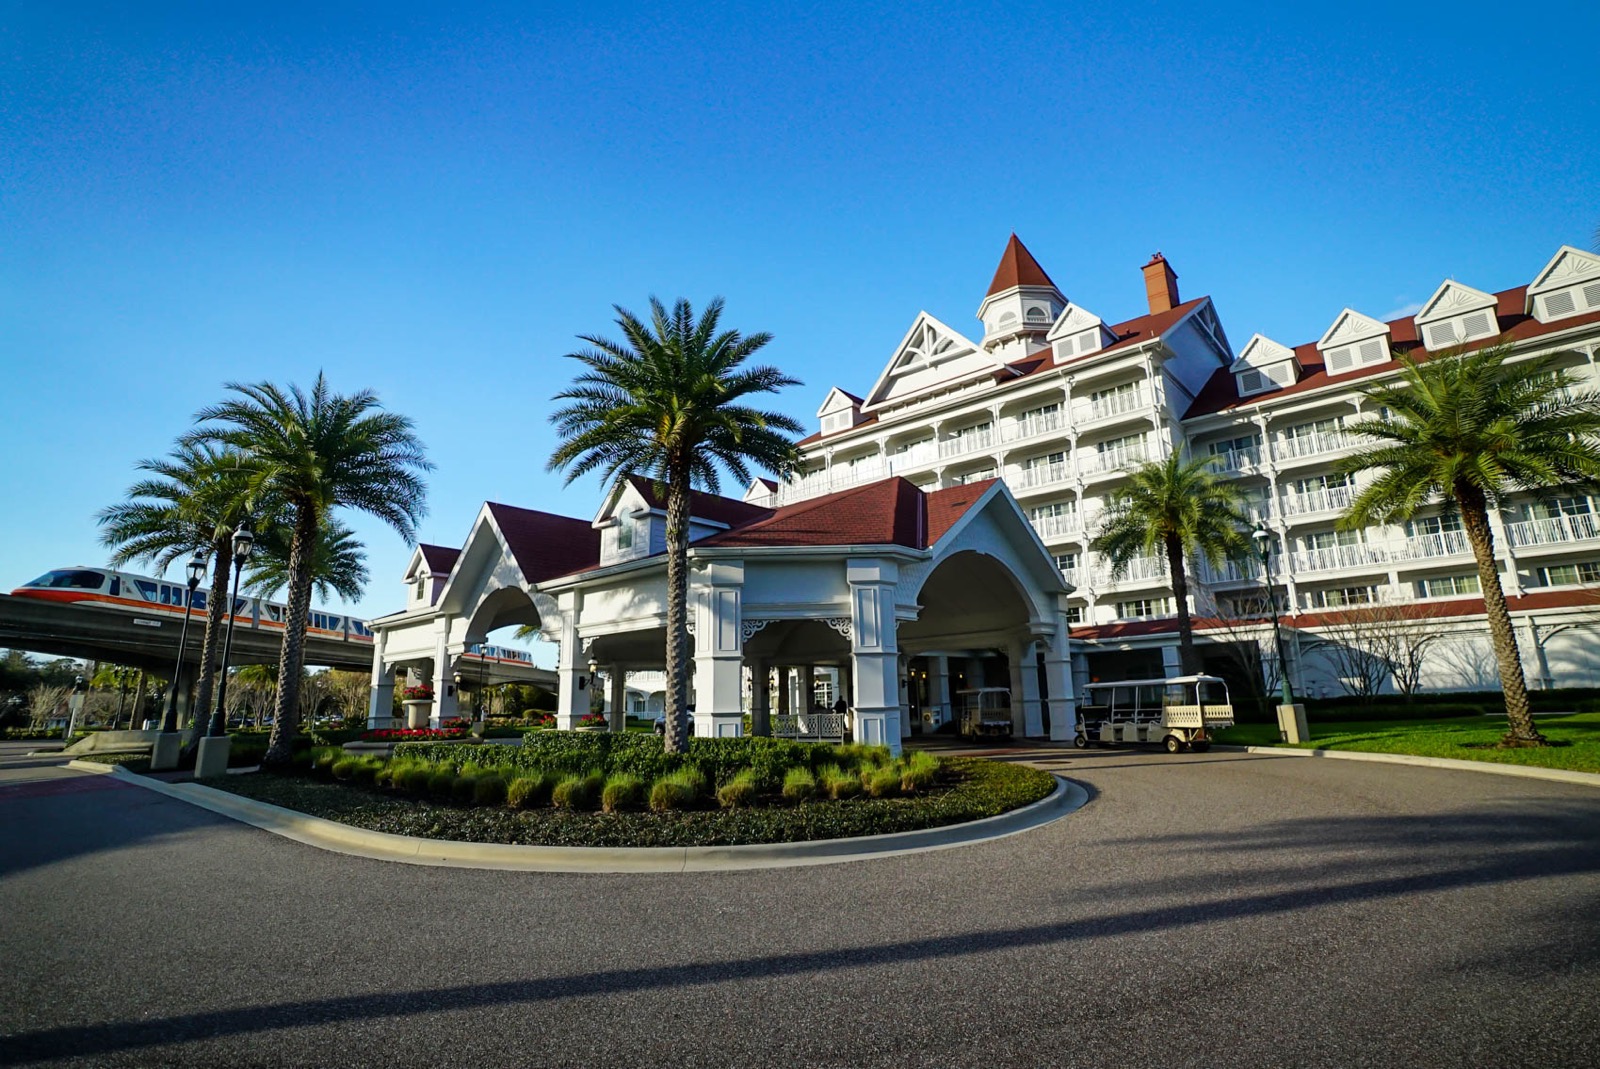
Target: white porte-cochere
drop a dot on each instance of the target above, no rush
(820, 619)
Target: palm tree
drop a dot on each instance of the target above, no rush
(191, 501)
(1471, 428)
(338, 563)
(669, 403)
(1184, 511)
(315, 453)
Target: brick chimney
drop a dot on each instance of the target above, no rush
(1160, 285)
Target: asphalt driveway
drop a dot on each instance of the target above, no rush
(1205, 910)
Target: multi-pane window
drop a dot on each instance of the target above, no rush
(1245, 445)
(1571, 574)
(1046, 461)
(1342, 596)
(1449, 586)
(1330, 539)
(1053, 509)
(1332, 425)
(1114, 393)
(1142, 608)
(1433, 525)
(624, 534)
(1074, 614)
(1318, 483)
(1067, 563)
(1556, 507)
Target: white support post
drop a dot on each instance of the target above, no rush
(939, 690)
(380, 708)
(714, 595)
(785, 704)
(1058, 683)
(572, 671)
(618, 719)
(444, 679)
(760, 698)
(1027, 712)
(902, 673)
(874, 653)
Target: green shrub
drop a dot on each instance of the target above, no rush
(738, 791)
(366, 770)
(882, 782)
(442, 784)
(415, 779)
(799, 785)
(384, 776)
(489, 789)
(461, 790)
(861, 757)
(678, 790)
(323, 757)
(837, 783)
(578, 791)
(918, 772)
(531, 791)
(344, 768)
(623, 790)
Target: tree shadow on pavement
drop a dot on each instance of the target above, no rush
(1309, 864)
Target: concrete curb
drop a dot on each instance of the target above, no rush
(1554, 775)
(383, 846)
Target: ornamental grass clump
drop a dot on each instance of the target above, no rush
(323, 757)
(682, 789)
(344, 768)
(799, 785)
(918, 772)
(530, 791)
(442, 784)
(861, 757)
(836, 783)
(622, 791)
(462, 788)
(881, 782)
(579, 791)
(738, 792)
(366, 770)
(490, 789)
(414, 779)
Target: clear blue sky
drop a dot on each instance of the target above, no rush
(433, 204)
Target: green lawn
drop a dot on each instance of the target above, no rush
(1464, 738)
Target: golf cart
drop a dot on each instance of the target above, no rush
(1178, 713)
(984, 712)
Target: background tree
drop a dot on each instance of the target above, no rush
(1471, 428)
(670, 403)
(338, 563)
(316, 453)
(1179, 510)
(351, 691)
(193, 499)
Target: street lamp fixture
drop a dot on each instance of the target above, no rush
(243, 542)
(1263, 540)
(194, 571)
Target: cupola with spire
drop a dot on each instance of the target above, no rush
(1021, 304)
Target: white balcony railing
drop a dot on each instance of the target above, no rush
(1139, 570)
(1039, 475)
(1327, 499)
(1310, 445)
(1432, 544)
(970, 442)
(1034, 427)
(1113, 460)
(1333, 558)
(1055, 526)
(1544, 530)
(1236, 460)
(1116, 404)
(1230, 572)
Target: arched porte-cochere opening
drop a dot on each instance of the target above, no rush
(979, 627)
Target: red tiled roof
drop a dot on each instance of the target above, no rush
(439, 559)
(1017, 268)
(889, 512)
(546, 545)
(1128, 333)
(703, 506)
(1221, 393)
(947, 506)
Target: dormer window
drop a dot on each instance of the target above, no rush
(1264, 365)
(624, 534)
(840, 411)
(1569, 285)
(1075, 332)
(1257, 380)
(1354, 341)
(835, 421)
(1457, 314)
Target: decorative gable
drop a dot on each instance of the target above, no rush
(1354, 340)
(1077, 331)
(840, 411)
(1263, 365)
(627, 524)
(930, 356)
(1456, 314)
(1569, 285)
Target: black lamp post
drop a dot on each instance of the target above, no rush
(80, 687)
(195, 571)
(243, 542)
(1263, 540)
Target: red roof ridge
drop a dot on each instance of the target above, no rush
(1018, 268)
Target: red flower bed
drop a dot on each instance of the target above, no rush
(413, 734)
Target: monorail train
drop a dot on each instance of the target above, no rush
(139, 593)
(500, 653)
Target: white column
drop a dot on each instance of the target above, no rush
(718, 650)
(380, 706)
(572, 671)
(444, 677)
(619, 699)
(902, 683)
(874, 654)
(1027, 716)
(1058, 683)
(785, 695)
(939, 690)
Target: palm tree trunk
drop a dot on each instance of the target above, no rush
(286, 709)
(677, 733)
(1519, 713)
(211, 648)
(1180, 595)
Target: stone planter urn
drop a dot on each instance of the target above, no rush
(417, 712)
